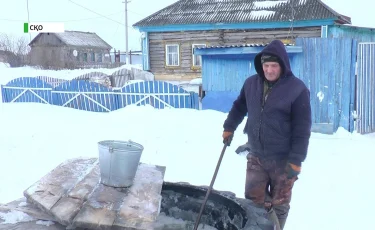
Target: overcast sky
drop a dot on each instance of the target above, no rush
(107, 18)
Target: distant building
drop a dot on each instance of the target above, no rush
(135, 57)
(71, 49)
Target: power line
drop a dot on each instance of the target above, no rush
(84, 19)
(75, 20)
(96, 12)
(100, 14)
(72, 20)
(114, 34)
(136, 13)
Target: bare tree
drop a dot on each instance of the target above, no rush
(15, 49)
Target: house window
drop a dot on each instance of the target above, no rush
(197, 59)
(100, 57)
(172, 57)
(93, 57)
(85, 57)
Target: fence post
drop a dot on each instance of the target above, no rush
(130, 57)
(116, 98)
(3, 98)
(353, 87)
(194, 100)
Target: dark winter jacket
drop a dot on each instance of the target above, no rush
(282, 128)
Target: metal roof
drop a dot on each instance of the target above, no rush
(239, 45)
(241, 49)
(79, 39)
(240, 11)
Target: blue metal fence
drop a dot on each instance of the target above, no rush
(365, 102)
(91, 96)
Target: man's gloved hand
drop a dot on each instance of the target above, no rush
(292, 170)
(227, 137)
(243, 149)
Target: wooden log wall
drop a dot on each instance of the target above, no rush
(186, 39)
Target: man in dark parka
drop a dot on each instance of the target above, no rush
(278, 127)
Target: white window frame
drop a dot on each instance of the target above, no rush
(194, 56)
(167, 55)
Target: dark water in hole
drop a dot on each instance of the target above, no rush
(181, 205)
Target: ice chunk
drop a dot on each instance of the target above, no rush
(45, 222)
(164, 222)
(14, 217)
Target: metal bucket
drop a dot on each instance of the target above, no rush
(118, 162)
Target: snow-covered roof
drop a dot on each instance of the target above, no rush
(240, 11)
(80, 39)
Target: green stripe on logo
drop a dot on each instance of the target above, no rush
(25, 27)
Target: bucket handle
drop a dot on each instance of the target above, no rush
(110, 149)
(129, 143)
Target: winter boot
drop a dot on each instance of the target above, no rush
(282, 223)
(273, 217)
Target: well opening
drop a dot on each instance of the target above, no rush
(181, 204)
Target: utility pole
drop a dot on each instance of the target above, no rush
(126, 31)
(28, 16)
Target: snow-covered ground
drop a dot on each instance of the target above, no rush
(335, 189)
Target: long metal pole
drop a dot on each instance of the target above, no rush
(210, 187)
(28, 17)
(126, 31)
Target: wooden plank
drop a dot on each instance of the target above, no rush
(67, 207)
(22, 206)
(99, 211)
(32, 225)
(135, 207)
(194, 36)
(142, 204)
(186, 35)
(180, 40)
(283, 33)
(47, 192)
(72, 195)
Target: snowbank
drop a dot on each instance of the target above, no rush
(8, 74)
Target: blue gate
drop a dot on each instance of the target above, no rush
(365, 102)
(91, 96)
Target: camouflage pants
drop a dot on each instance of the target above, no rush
(267, 184)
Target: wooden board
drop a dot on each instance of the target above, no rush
(68, 206)
(141, 206)
(134, 208)
(46, 192)
(22, 206)
(39, 221)
(73, 195)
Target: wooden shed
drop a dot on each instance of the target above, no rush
(71, 49)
